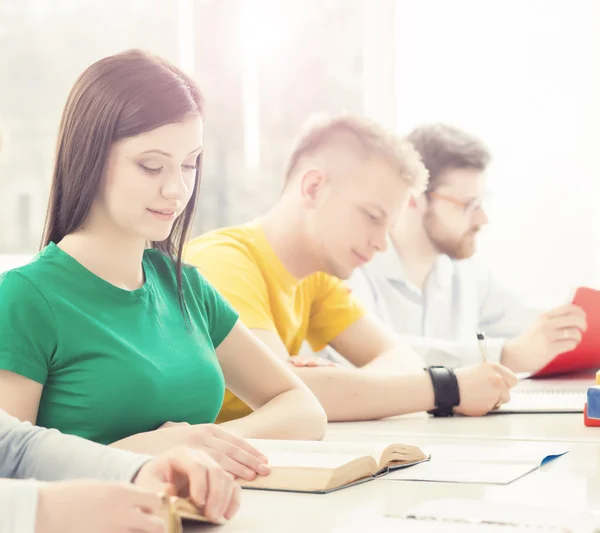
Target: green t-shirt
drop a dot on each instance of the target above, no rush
(113, 362)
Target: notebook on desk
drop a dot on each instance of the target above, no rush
(549, 395)
(480, 463)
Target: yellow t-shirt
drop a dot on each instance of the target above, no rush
(244, 268)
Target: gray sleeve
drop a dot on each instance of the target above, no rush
(45, 454)
(18, 506)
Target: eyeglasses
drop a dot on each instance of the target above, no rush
(468, 208)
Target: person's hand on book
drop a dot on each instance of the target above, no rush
(483, 387)
(194, 474)
(554, 332)
(97, 507)
(231, 452)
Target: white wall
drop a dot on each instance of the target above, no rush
(8, 261)
(525, 76)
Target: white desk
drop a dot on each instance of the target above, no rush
(571, 482)
(555, 427)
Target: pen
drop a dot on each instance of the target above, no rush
(482, 346)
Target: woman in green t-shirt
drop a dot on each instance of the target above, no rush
(105, 334)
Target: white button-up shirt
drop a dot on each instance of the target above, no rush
(441, 322)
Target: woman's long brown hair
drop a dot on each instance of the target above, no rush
(117, 97)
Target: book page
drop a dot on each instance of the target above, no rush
(491, 474)
(543, 402)
(310, 460)
(529, 453)
(549, 395)
(316, 454)
(497, 464)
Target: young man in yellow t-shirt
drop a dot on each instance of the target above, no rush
(346, 181)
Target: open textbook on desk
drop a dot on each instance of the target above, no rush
(565, 394)
(320, 467)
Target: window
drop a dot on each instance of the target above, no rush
(499, 70)
(262, 65)
(44, 46)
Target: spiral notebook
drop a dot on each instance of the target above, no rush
(549, 395)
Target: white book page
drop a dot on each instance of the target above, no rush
(530, 453)
(492, 474)
(549, 395)
(478, 463)
(316, 454)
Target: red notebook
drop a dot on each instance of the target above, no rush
(587, 354)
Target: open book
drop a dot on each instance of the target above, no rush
(176, 510)
(549, 395)
(320, 467)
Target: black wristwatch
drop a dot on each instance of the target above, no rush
(445, 389)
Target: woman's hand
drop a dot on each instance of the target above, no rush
(231, 452)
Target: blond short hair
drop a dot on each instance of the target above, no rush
(320, 131)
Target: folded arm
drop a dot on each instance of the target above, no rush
(360, 393)
(284, 408)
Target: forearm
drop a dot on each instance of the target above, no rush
(355, 394)
(18, 505)
(294, 415)
(34, 452)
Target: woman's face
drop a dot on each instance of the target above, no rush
(149, 180)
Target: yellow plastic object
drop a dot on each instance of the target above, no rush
(598, 377)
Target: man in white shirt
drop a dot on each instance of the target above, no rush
(427, 287)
